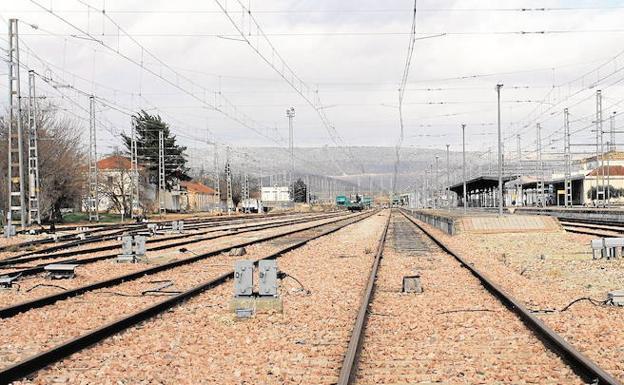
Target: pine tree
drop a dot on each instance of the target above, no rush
(146, 128)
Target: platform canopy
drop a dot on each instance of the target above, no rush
(479, 183)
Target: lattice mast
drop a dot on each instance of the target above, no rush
(134, 175)
(92, 200)
(600, 188)
(567, 159)
(161, 172)
(228, 179)
(16, 202)
(34, 215)
(540, 167)
(217, 177)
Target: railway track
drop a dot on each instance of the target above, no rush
(198, 280)
(463, 328)
(97, 232)
(162, 241)
(110, 274)
(591, 228)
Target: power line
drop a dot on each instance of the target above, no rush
(279, 65)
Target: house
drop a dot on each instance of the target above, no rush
(115, 185)
(198, 197)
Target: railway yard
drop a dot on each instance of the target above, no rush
(371, 297)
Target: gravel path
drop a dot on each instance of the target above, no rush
(453, 333)
(200, 342)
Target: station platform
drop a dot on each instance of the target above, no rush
(597, 215)
(456, 222)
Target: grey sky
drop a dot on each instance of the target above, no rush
(353, 51)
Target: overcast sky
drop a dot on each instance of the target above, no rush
(353, 52)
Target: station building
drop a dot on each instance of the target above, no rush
(589, 177)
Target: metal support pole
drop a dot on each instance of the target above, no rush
(437, 184)
(567, 159)
(217, 177)
(612, 145)
(307, 183)
(161, 173)
(290, 113)
(228, 180)
(16, 202)
(135, 204)
(500, 155)
(464, 165)
(448, 177)
(539, 167)
(34, 214)
(599, 151)
(93, 201)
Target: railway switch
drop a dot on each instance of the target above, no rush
(61, 270)
(243, 278)
(267, 274)
(411, 284)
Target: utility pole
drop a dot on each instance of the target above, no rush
(612, 146)
(307, 179)
(34, 214)
(245, 192)
(500, 155)
(217, 178)
(567, 158)
(519, 198)
(539, 167)
(437, 190)
(16, 203)
(161, 172)
(599, 150)
(448, 177)
(464, 165)
(93, 201)
(290, 113)
(134, 174)
(228, 180)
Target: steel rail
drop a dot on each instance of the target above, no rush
(582, 365)
(84, 261)
(29, 365)
(13, 310)
(123, 227)
(70, 253)
(349, 364)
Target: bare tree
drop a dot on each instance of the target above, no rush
(61, 162)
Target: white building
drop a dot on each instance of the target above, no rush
(276, 194)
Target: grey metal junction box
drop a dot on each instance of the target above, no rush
(267, 272)
(243, 278)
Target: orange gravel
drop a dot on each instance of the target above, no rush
(547, 272)
(201, 342)
(455, 332)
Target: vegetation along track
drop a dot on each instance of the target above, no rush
(288, 241)
(462, 328)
